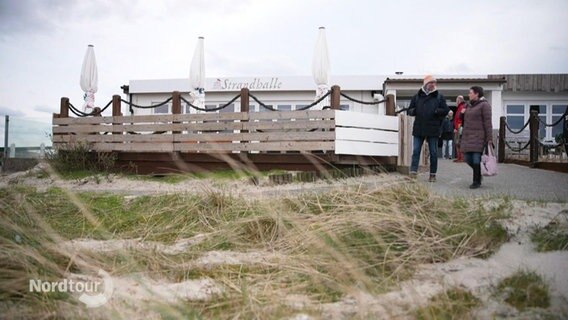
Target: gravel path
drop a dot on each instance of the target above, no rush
(519, 182)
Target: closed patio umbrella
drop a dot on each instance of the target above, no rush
(89, 78)
(197, 75)
(320, 67)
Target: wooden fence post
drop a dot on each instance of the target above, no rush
(502, 133)
(116, 112)
(64, 108)
(406, 146)
(245, 100)
(116, 105)
(533, 126)
(176, 107)
(335, 97)
(63, 113)
(402, 164)
(390, 107)
(564, 139)
(245, 108)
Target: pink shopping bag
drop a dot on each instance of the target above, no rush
(488, 161)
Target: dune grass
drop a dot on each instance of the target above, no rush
(553, 236)
(524, 289)
(451, 304)
(214, 175)
(325, 245)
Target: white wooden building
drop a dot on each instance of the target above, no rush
(512, 96)
(282, 93)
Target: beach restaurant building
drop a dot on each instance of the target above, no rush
(511, 95)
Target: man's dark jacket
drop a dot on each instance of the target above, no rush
(429, 110)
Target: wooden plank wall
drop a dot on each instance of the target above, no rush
(366, 134)
(534, 82)
(208, 132)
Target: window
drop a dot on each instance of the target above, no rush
(557, 112)
(515, 116)
(300, 106)
(229, 108)
(284, 107)
(344, 107)
(542, 116)
(163, 109)
(559, 109)
(210, 106)
(516, 109)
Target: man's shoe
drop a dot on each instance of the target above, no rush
(432, 178)
(413, 175)
(475, 185)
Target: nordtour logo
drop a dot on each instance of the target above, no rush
(93, 293)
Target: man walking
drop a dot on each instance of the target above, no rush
(429, 108)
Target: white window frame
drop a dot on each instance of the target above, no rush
(169, 105)
(524, 114)
(555, 115)
(527, 104)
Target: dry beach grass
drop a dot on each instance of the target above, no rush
(210, 254)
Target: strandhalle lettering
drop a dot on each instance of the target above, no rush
(256, 83)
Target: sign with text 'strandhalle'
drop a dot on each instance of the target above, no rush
(228, 84)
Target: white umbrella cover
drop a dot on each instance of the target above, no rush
(89, 78)
(320, 65)
(197, 75)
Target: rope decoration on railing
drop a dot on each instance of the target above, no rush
(557, 121)
(80, 113)
(519, 131)
(401, 110)
(362, 102)
(537, 141)
(315, 102)
(130, 105)
(76, 111)
(260, 103)
(517, 149)
(213, 109)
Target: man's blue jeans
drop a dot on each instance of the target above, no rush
(417, 147)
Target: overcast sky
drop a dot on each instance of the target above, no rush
(42, 42)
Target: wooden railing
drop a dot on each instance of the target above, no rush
(524, 145)
(211, 132)
(340, 132)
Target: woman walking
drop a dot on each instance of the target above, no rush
(477, 131)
